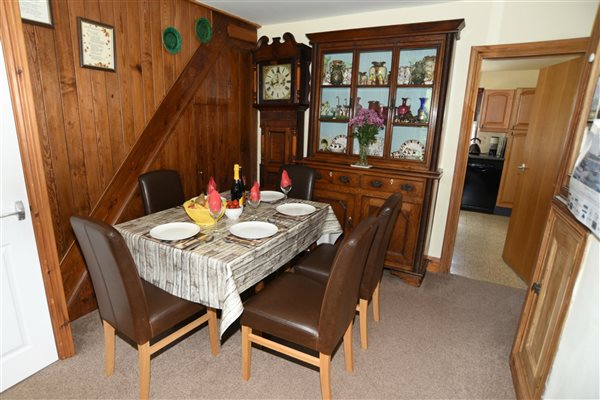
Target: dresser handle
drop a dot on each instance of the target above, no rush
(376, 184)
(350, 223)
(318, 176)
(344, 179)
(407, 187)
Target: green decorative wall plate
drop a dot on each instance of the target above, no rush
(171, 40)
(203, 30)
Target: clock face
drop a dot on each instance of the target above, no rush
(277, 82)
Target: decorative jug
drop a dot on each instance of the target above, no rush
(403, 108)
(336, 72)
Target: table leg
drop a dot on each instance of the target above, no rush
(213, 330)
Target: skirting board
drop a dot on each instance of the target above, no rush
(433, 264)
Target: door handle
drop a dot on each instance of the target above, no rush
(19, 211)
(522, 167)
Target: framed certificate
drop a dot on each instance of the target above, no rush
(96, 45)
(36, 12)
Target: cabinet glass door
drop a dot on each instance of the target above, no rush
(335, 96)
(373, 92)
(410, 127)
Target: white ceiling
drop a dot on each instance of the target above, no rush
(267, 12)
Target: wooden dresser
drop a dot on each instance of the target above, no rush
(403, 72)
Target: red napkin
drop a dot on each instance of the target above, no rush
(214, 201)
(285, 179)
(255, 192)
(212, 185)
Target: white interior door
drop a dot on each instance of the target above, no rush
(27, 342)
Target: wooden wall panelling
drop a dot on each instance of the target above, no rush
(113, 98)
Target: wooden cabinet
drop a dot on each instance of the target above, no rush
(403, 76)
(547, 302)
(515, 145)
(521, 110)
(496, 110)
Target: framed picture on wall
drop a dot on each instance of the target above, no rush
(37, 12)
(96, 45)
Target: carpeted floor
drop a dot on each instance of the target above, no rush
(450, 338)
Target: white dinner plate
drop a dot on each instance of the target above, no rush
(174, 231)
(269, 196)
(296, 209)
(253, 230)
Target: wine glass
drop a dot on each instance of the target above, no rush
(253, 203)
(286, 190)
(216, 214)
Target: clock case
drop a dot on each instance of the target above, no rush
(281, 121)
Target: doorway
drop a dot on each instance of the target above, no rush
(525, 52)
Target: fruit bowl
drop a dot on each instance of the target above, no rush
(234, 213)
(198, 213)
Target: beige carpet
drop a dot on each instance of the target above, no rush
(450, 338)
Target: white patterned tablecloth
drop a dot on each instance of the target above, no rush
(218, 270)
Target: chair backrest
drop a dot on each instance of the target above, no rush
(161, 189)
(119, 291)
(386, 217)
(341, 293)
(303, 181)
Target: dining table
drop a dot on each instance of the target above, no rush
(214, 267)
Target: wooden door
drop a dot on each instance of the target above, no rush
(511, 175)
(496, 110)
(551, 112)
(547, 302)
(521, 110)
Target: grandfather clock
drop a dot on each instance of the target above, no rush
(282, 88)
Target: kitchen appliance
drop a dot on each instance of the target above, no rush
(474, 148)
(481, 184)
(493, 146)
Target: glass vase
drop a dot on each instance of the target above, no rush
(362, 155)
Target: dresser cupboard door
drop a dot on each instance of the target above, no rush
(403, 243)
(546, 304)
(342, 205)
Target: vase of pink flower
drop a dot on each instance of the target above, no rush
(366, 125)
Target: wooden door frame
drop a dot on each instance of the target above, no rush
(478, 54)
(19, 79)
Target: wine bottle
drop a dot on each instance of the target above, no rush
(237, 189)
(243, 180)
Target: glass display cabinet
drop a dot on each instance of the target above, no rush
(401, 72)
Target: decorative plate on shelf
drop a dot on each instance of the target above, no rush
(338, 144)
(171, 40)
(411, 149)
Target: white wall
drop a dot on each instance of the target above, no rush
(486, 23)
(509, 79)
(575, 373)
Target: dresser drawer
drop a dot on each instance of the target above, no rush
(322, 175)
(345, 179)
(386, 184)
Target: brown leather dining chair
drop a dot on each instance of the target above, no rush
(138, 310)
(161, 189)
(317, 264)
(303, 181)
(310, 313)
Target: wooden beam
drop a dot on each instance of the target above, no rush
(19, 79)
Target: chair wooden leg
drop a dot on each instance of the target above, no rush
(348, 348)
(144, 366)
(362, 316)
(213, 330)
(376, 302)
(109, 349)
(246, 352)
(325, 374)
